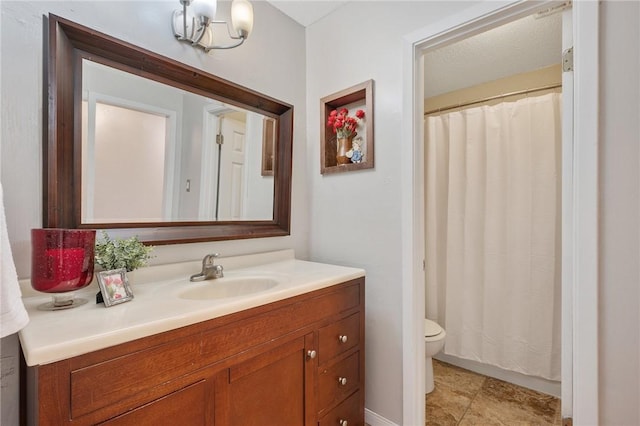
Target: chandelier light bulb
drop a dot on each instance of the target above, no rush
(242, 17)
(205, 8)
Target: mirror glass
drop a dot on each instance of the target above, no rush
(194, 158)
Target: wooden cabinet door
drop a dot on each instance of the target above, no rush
(268, 389)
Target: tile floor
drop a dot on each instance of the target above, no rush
(462, 397)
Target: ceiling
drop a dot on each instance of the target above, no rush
(306, 12)
(520, 46)
(530, 43)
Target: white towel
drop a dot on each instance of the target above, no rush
(13, 315)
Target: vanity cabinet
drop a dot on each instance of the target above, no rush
(297, 361)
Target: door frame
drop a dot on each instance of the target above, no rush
(209, 158)
(580, 204)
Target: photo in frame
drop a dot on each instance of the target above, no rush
(114, 286)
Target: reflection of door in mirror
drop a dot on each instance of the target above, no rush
(232, 186)
(232, 169)
(135, 145)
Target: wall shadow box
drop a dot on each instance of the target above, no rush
(346, 137)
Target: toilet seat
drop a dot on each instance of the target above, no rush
(431, 328)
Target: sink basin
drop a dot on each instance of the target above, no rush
(222, 288)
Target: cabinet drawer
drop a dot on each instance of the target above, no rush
(338, 380)
(100, 385)
(186, 406)
(348, 411)
(339, 337)
(263, 327)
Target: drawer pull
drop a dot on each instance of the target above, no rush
(342, 381)
(343, 422)
(311, 354)
(342, 338)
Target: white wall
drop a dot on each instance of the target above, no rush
(619, 332)
(356, 216)
(274, 49)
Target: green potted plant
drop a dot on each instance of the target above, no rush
(117, 257)
(129, 253)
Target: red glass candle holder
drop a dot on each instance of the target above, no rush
(62, 261)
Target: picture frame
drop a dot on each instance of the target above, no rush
(358, 97)
(269, 134)
(114, 286)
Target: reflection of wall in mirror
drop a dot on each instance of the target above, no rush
(105, 85)
(192, 133)
(186, 158)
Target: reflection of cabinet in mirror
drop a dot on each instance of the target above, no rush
(90, 184)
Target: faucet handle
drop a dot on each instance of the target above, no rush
(216, 270)
(210, 259)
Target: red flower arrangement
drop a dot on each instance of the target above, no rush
(343, 125)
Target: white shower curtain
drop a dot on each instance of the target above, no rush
(493, 233)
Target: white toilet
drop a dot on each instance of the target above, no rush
(433, 343)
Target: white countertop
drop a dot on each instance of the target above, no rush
(157, 306)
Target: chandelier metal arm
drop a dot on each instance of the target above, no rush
(181, 36)
(228, 30)
(202, 27)
(231, 36)
(230, 46)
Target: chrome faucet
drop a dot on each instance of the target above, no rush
(210, 270)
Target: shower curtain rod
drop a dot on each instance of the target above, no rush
(492, 98)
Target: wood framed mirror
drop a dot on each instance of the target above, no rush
(74, 160)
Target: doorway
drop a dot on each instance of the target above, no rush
(579, 220)
(493, 167)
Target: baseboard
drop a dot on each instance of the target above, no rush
(536, 383)
(374, 419)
